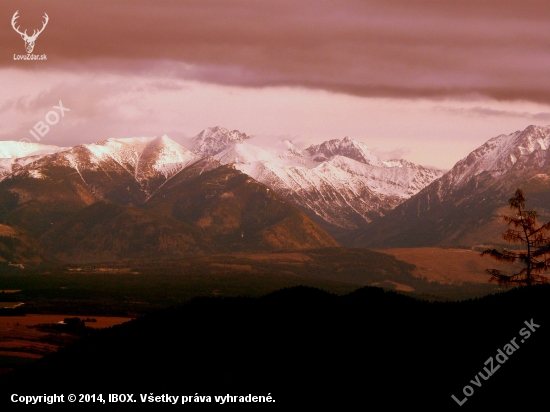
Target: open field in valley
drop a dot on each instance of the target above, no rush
(25, 338)
(447, 265)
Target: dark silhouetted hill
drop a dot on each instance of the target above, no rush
(309, 348)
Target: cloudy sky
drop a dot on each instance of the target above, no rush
(428, 81)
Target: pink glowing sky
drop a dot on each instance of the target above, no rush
(428, 81)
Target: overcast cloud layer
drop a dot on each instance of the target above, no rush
(500, 49)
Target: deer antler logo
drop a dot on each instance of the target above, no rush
(29, 40)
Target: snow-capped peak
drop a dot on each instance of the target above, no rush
(213, 140)
(148, 161)
(292, 149)
(143, 156)
(346, 147)
(500, 154)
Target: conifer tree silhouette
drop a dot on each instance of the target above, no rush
(524, 231)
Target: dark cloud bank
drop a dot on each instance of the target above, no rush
(408, 48)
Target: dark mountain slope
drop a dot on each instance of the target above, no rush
(235, 211)
(109, 232)
(18, 246)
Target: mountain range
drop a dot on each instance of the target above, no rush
(144, 198)
(152, 197)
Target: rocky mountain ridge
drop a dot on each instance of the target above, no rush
(463, 207)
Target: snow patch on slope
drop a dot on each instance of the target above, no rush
(16, 155)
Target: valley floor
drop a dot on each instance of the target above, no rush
(32, 336)
(447, 265)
